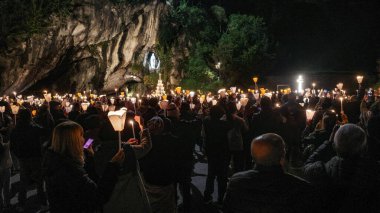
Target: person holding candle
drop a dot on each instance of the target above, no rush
(70, 178)
(349, 181)
(159, 166)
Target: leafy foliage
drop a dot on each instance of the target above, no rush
(30, 16)
(239, 42)
(243, 48)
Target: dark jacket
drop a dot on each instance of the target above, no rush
(216, 141)
(347, 185)
(265, 121)
(26, 140)
(159, 165)
(70, 188)
(268, 189)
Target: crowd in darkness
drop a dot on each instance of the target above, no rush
(252, 153)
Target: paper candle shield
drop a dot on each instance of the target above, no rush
(133, 100)
(15, 109)
(164, 104)
(30, 99)
(244, 101)
(104, 107)
(47, 97)
(309, 114)
(238, 105)
(117, 119)
(202, 99)
(257, 96)
(2, 109)
(85, 105)
(111, 108)
(68, 109)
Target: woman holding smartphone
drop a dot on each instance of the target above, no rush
(70, 175)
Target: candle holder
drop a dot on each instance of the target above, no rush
(117, 119)
(15, 110)
(133, 128)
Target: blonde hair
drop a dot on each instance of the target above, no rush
(68, 140)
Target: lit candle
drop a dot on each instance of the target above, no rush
(341, 104)
(133, 129)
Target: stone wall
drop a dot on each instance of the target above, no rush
(94, 48)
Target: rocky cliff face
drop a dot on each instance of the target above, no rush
(95, 48)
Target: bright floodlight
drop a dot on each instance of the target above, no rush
(300, 82)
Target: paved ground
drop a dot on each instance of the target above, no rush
(198, 186)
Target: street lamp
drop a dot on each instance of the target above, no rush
(255, 79)
(313, 91)
(359, 78)
(217, 66)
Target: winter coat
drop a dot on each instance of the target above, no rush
(159, 164)
(216, 141)
(26, 140)
(235, 135)
(70, 188)
(268, 189)
(347, 185)
(5, 155)
(265, 121)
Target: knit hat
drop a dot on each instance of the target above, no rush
(155, 125)
(172, 111)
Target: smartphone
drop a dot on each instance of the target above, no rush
(88, 143)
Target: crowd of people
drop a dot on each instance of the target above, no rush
(250, 151)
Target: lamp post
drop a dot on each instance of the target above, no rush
(217, 66)
(255, 79)
(47, 97)
(117, 119)
(359, 78)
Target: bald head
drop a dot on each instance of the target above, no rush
(268, 149)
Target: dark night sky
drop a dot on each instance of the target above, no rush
(336, 35)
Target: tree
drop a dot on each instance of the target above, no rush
(243, 49)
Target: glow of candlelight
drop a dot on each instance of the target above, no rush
(133, 129)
